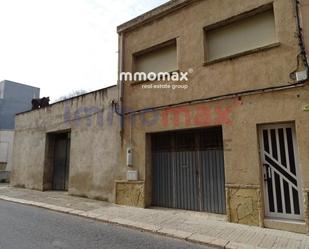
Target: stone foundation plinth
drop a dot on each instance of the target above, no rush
(130, 193)
(245, 205)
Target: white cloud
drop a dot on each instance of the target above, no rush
(63, 45)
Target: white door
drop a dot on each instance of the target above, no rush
(282, 185)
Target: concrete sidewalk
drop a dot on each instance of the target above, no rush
(191, 226)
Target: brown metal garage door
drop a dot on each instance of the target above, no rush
(188, 170)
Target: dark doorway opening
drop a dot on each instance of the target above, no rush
(61, 162)
(57, 161)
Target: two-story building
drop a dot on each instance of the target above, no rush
(232, 139)
(14, 98)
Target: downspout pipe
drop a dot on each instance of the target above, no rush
(119, 109)
(301, 36)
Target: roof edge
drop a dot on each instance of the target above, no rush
(18, 83)
(70, 99)
(153, 14)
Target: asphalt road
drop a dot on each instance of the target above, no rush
(26, 227)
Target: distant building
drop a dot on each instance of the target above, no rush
(14, 98)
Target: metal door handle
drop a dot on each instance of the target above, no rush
(267, 175)
(184, 166)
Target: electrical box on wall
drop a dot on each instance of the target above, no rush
(132, 175)
(300, 76)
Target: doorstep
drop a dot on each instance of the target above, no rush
(287, 225)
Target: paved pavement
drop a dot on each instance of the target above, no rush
(190, 226)
(25, 227)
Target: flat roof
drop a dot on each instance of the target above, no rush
(17, 83)
(153, 14)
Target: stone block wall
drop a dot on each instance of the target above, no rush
(130, 193)
(245, 205)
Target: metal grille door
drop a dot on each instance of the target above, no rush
(280, 169)
(188, 170)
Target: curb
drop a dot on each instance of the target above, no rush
(171, 233)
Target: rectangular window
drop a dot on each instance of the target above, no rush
(161, 58)
(246, 34)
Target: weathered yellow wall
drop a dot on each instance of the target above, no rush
(240, 132)
(242, 161)
(94, 145)
(268, 68)
(262, 69)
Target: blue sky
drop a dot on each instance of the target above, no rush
(63, 45)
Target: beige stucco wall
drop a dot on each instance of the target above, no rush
(261, 69)
(240, 133)
(242, 162)
(94, 145)
(267, 68)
